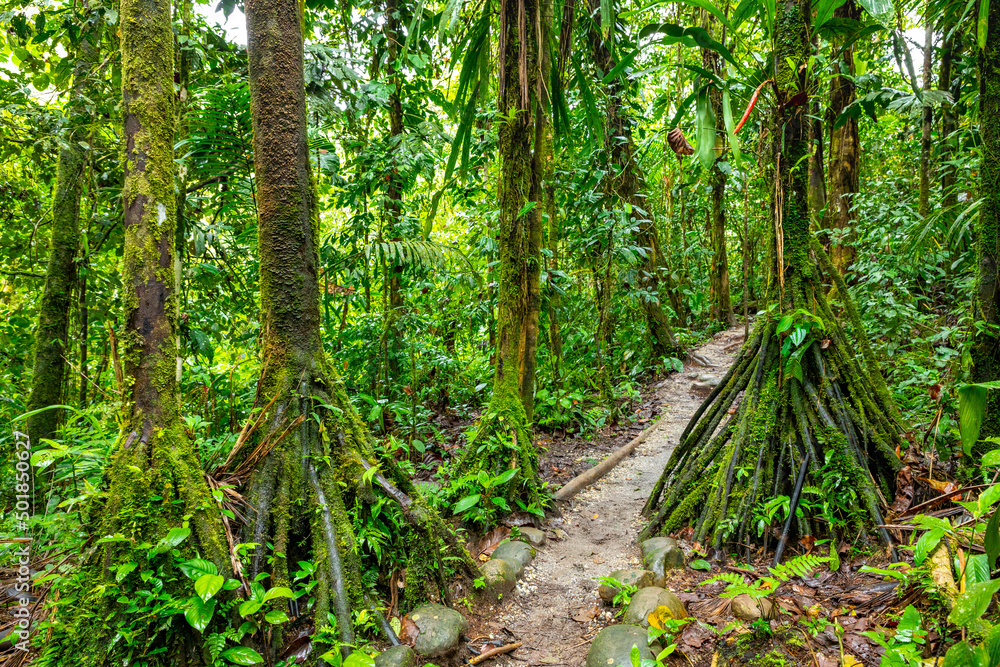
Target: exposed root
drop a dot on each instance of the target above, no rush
(772, 429)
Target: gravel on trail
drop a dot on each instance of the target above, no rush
(555, 610)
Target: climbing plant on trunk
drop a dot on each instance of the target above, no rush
(808, 403)
(308, 458)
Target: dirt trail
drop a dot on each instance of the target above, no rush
(601, 525)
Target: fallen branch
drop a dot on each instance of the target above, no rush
(499, 650)
(588, 477)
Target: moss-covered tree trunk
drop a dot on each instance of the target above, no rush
(306, 461)
(722, 307)
(503, 437)
(625, 185)
(51, 344)
(807, 400)
(155, 480)
(926, 120)
(986, 299)
(845, 150)
(950, 51)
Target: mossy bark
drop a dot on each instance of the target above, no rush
(155, 479)
(832, 410)
(51, 335)
(845, 150)
(986, 298)
(624, 184)
(926, 121)
(306, 465)
(722, 307)
(503, 437)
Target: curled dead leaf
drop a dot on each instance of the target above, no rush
(678, 143)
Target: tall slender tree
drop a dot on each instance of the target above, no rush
(51, 336)
(625, 185)
(845, 148)
(155, 479)
(986, 299)
(307, 464)
(503, 438)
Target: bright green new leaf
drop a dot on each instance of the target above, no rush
(208, 585)
(971, 409)
(278, 592)
(242, 655)
(991, 540)
(199, 613)
(972, 604)
(171, 540)
(926, 544)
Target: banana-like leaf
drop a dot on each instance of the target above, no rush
(691, 37)
(825, 9)
(982, 24)
(881, 10)
(727, 118)
(971, 409)
(706, 130)
(707, 5)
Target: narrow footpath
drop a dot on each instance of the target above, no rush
(555, 610)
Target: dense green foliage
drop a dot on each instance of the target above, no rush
(413, 160)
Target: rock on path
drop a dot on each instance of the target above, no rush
(601, 525)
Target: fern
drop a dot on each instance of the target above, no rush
(800, 566)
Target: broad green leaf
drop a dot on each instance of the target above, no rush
(991, 458)
(977, 570)
(825, 9)
(727, 118)
(707, 5)
(465, 503)
(881, 10)
(620, 67)
(706, 130)
(276, 617)
(242, 655)
(964, 654)
(196, 567)
(278, 592)
(700, 564)
(505, 477)
(988, 498)
(171, 540)
(991, 540)
(926, 544)
(199, 613)
(992, 645)
(972, 604)
(971, 409)
(635, 656)
(208, 585)
(359, 659)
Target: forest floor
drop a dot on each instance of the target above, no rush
(556, 611)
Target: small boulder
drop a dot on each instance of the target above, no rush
(438, 629)
(532, 536)
(660, 554)
(560, 534)
(745, 609)
(646, 600)
(637, 578)
(612, 646)
(397, 656)
(500, 577)
(518, 554)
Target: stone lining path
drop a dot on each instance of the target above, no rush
(553, 612)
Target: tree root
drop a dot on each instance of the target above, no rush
(826, 425)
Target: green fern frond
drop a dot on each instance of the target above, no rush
(800, 566)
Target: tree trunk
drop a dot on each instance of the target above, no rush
(554, 298)
(625, 184)
(541, 169)
(803, 405)
(926, 123)
(845, 151)
(155, 480)
(54, 311)
(314, 446)
(722, 307)
(986, 299)
(503, 437)
(949, 52)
